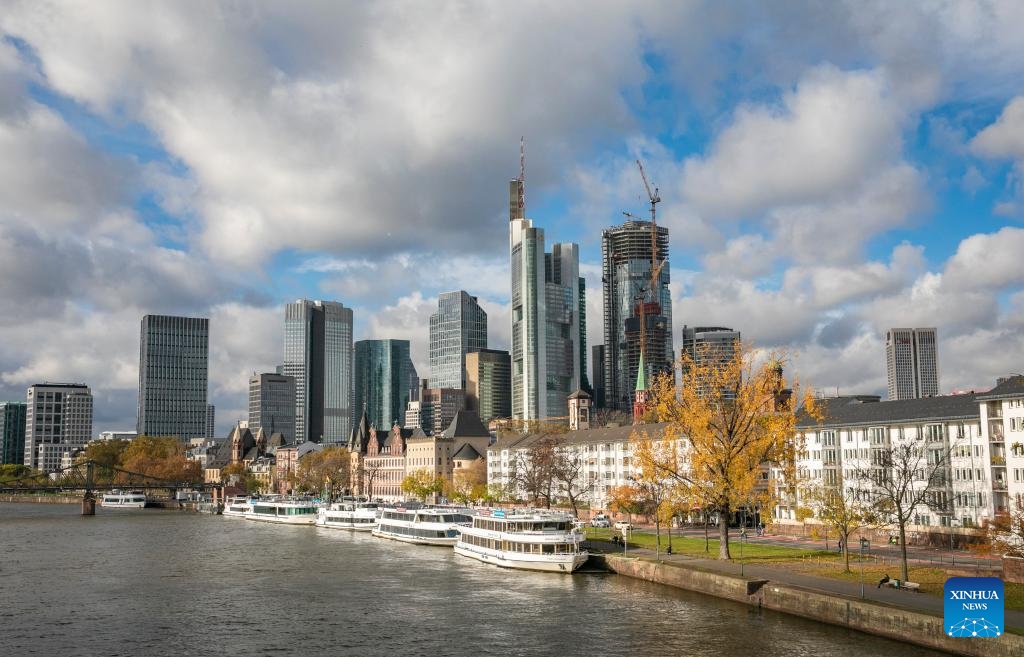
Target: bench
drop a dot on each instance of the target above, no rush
(905, 586)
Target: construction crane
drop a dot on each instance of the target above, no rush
(656, 266)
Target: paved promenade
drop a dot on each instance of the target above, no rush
(921, 602)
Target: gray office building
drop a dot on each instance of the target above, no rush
(12, 432)
(597, 369)
(708, 345)
(385, 381)
(912, 363)
(211, 420)
(626, 273)
(318, 353)
(58, 419)
(458, 326)
(272, 404)
(173, 362)
(489, 384)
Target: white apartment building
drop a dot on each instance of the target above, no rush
(58, 420)
(966, 433)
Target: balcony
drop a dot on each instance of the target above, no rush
(998, 460)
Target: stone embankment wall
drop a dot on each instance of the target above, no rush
(890, 622)
(1013, 570)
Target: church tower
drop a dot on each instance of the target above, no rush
(640, 394)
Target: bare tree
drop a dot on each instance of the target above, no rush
(841, 508)
(533, 470)
(903, 476)
(568, 472)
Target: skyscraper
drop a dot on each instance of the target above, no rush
(385, 380)
(12, 432)
(458, 326)
(58, 420)
(626, 274)
(489, 384)
(597, 372)
(546, 327)
(318, 353)
(710, 345)
(272, 404)
(173, 357)
(912, 363)
(211, 421)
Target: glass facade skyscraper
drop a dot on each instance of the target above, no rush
(489, 384)
(547, 332)
(385, 380)
(12, 432)
(272, 404)
(318, 353)
(626, 272)
(173, 361)
(458, 326)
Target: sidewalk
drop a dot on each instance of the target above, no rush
(919, 602)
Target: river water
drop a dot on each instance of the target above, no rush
(149, 582)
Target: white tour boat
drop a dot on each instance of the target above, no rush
(527, 540)
(350, 513)
(423, 526)
(237, 506)
(285, 511)
(119, 499)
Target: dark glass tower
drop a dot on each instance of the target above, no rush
(385, 380)
(173, 361)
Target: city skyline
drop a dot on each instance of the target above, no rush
(818, 189)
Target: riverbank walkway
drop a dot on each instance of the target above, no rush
(926, 603)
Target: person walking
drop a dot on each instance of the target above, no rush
(884, 580)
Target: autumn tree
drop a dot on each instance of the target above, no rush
(842, 508)
(324, 472)
(568, 474)
(1005, 532)
(733, 417)
(423, 484)
(901, 476)
(161, 458)
(532, 470)
(661, 491)
(107, 454)
(469, 483)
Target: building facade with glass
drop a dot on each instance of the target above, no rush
(318, 353)
(458, 326)
(489, 384)
(58, 419)
(173, 370)
(12, 432)
(385, 381)
(272, 404)
(912, 363)
(626, 272)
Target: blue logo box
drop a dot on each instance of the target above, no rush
(974, 607)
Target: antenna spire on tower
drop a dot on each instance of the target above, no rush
(522, 176)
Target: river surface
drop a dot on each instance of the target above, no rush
(149, 582)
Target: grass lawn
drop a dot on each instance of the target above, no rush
(823, 563)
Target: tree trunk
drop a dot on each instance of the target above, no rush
(707, 540)
(846, 550)
(657, 537)
(903, 550)
(723, 534)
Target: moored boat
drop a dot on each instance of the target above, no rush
(350, 513)
(283, 510)
(424, 525)
(118, 499)
(237, 506)
(526, 540)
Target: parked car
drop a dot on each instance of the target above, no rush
(623, 524)
(600, 521)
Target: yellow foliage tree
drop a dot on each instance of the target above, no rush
(468, 483)
(728, 420)
(163, 458)
(422, 484)
(326, 472)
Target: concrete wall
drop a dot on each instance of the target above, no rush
(872, 618)
(1013, 570)
(42, 499)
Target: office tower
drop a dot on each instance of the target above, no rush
(385, 380)
(173, 356)
(912, 362)
(458, 326)
(626, 274)
(211, 421)
(318, 353)
(438, 407)
(58, 419)
(546, 328)
(272, 404)
(12, 432)
(597, 373)
(489, 384)
(710, 345)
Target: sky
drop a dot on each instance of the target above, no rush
(828, 170)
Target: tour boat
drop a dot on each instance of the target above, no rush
(350, 513)
(285, 511)
(237, 506)
(526, 539)
(118, 499)
(423, 526)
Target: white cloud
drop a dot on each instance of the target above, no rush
(989, 262)
(1005, 137)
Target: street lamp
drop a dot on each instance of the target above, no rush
(864, 545)
(743, 539)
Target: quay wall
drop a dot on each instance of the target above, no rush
(862, 615)
(42, 499)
